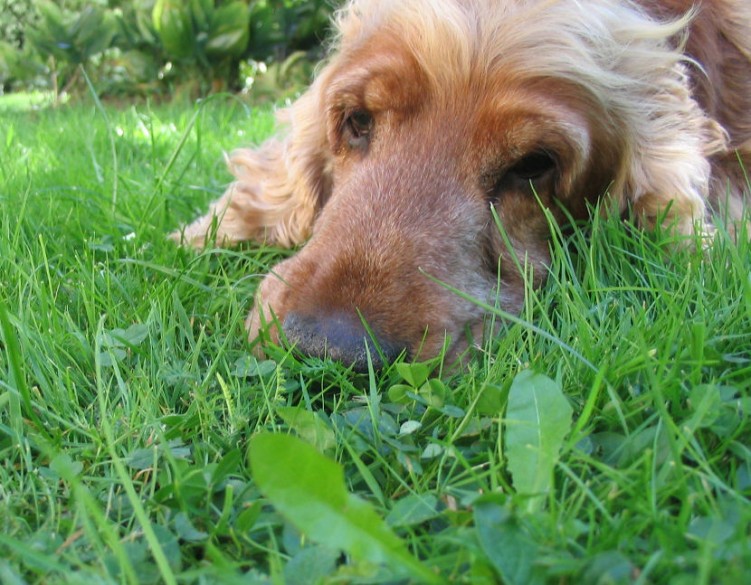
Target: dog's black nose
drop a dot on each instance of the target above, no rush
(339, 337)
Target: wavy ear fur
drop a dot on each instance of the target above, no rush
(669, 138)
(668, 170)
(279, 186)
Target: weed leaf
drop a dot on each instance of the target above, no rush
(309, 426)
(309, 490)
(509, 549)
(250, 367)
(130, 337)
(310, 565)
(414, 374)
(412, 510)
(538, 418)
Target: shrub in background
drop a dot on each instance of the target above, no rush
(280, 28)
(205, 37)
(162, 46)
(66, 41)
(15, 15)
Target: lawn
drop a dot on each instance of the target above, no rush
(603, 438)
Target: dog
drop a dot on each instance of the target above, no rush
(434, 122)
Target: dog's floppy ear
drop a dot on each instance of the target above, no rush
(667, 171)
(668, 138)
(278, 186)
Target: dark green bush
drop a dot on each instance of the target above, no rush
(280, 28)
(69, 40)
(15, 17)
(162, 46)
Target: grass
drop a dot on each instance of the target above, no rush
(24, 101)
(129, 400)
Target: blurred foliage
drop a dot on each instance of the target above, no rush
(280, 28)
(68, 40)
(15, 17)
(16, 62)
(162, 47)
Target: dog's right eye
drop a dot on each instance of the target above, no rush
(526, 175)
(533, 166)
(358, 126)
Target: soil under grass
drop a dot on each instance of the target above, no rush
(129, 399)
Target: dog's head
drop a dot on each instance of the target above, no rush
(445, 130)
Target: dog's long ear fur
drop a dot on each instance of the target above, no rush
(666, 170)
(279, 186)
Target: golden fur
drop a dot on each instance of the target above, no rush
(430, 112)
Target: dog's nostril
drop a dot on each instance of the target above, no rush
(338, 337)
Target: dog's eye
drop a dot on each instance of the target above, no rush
(532, 167)
(358, 126)
(526, 175)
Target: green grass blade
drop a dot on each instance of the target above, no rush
(140, 513)
(113, 148)
(16, 377)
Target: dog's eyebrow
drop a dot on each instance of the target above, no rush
(376, 83)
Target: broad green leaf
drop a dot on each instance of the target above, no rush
(609, 567)
(170, 545)
(434, 392)
(492, 400)
(409, 427)
(201, 11)
(229, 464)
(413, 509)
(65, 467)
(230, 30)
(173, 23)
(248, 366)
(705, 403)
(452, 411)
(432, 451)
(538, 418)
(93, 31)
(309, 491)
(130, 337)
(186, 530)
(51, 35)
(414, 374)
(399, 393)
(714, 531)
(309, 426)
(112, 356)
(145, 457)
(508, 547)
(248, 517)
(310, 565)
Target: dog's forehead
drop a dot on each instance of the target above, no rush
(457, 41)
(443, 47)
(374, 79)
(451, 38)
(372, 76)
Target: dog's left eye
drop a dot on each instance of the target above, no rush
(358, 125)
(532, 167)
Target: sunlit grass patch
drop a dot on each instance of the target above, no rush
(25, 101)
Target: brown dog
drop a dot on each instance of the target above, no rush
(431, 112)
